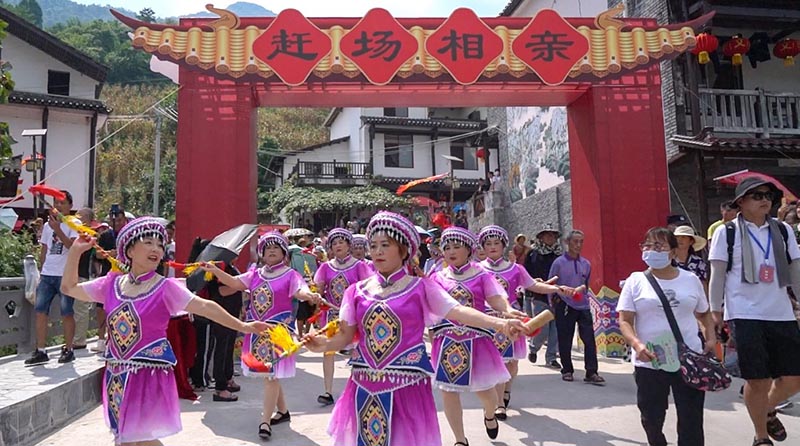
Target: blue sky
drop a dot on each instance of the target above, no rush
(320, 8)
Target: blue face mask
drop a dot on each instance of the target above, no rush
(656, 259)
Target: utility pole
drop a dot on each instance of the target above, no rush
(157, 168)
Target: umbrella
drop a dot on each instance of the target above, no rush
(732, 179)
(8, 218)
(422, 231)
(297, 232)
(224, 247)
(425, 202)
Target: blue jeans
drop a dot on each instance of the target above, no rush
(548, 334)
(50, 287)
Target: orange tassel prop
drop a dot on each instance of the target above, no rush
(41, 189)
(80, 228)
(254, 364)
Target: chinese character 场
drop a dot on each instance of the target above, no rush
(546, 46)
(382, 45)
(471, 45)
(291, 46)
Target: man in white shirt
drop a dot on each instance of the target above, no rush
(56, 240)
(764, 260)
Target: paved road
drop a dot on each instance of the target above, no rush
(544, 412)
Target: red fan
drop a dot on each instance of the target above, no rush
(41, 189)
(254, 364)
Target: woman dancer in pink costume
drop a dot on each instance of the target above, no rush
(389, 391)
(140, 398)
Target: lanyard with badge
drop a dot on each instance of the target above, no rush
(766, 273)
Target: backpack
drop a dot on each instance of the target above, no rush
(730, 230)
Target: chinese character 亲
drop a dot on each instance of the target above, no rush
(547, 46)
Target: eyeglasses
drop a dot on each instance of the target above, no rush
(758, 196)
(653, 246)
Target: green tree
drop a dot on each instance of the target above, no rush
(6, 85)
(30, 11)
(147, 15)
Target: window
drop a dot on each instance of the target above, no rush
(398, 151)
(401, 112)
(58, 82)
(460, 150)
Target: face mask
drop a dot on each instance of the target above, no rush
(656, 259)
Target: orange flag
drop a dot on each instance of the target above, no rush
(411, 184)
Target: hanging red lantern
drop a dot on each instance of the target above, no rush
(787, 49)
(706, 43)
(481, 153)
(736, 48)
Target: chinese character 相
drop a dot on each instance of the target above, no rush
(471, 45)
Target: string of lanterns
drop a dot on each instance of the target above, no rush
(735, 48)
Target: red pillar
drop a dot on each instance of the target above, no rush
(618, 171)
(216, 178)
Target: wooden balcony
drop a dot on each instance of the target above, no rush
(332, 173)
(752, 113)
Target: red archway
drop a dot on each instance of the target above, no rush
(604, 70)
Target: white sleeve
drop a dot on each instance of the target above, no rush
(629, 291)
(702, 301)
(719, 245)
(794, 250)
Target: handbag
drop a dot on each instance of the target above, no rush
(699, 371)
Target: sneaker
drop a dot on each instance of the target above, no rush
(37, 357)
(66, 356)
(555, 364)
(532, 357)
(100, 347)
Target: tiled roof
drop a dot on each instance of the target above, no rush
(28, 32)
(403, 180)
(763, 147)
(510, 8)
(318, 146)
(51, 100)
(416, 122)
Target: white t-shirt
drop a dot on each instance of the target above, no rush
(686, 296)
(56, 257)
(760, 301)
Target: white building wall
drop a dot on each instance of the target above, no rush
(567, 8)
(68, 137)
(30, 66)
(422, 158)
(337, 152)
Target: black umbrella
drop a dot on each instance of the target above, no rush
(223, 248)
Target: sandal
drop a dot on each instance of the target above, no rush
(218, 397)
(326, 399)
(567, 377)
(595, 379)
(506, 398)
(462, 443)
(282, 417)
(763, 442)
(775, 428)
(500, 413)
(491, 431)
(264, 431)
(233, 387)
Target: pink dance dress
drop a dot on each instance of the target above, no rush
(511, 276)
(271, 293)
(140, 398)
(388, 400)
(466, 358)
(336, 276)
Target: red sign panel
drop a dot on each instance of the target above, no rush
(464, 45)
(550, 46)
(378, 45)
(292, 46)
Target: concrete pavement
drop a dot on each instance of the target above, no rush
(544, 411)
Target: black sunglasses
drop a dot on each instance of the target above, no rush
(758, 196)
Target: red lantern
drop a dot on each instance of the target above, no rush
(706, 43)
(481, 153)
(787, 49)
(736, 48)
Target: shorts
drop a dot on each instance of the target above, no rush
(50, 287)
(767, 349)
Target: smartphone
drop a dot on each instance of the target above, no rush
(115, 210)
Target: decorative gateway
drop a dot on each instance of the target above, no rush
(380, 48)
